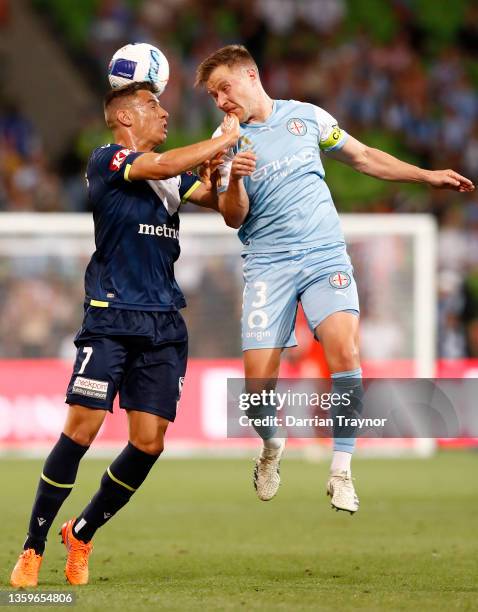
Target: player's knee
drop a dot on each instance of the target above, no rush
(346, 357)
(82, 424)
(81, 435)
(152, 446)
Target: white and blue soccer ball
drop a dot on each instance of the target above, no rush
(139, 62)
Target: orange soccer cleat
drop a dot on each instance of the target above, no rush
(25, 572)
(76, 569)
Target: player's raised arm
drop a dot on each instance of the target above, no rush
(381, 165)
(173, 162)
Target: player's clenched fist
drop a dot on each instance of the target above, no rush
(243, 164)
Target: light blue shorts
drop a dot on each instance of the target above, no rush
(321, 278)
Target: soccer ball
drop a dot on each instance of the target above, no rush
(139, 62)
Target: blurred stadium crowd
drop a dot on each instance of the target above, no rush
(395, 74)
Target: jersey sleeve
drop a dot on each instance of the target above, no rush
(224, 170)
(188, 185)
(112, 163)
(331, 136)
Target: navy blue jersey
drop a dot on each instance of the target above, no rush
(136, 234)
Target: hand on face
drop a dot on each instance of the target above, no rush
(230, 126)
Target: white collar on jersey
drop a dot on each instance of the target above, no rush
(168, 192)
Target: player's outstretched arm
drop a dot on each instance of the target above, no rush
(381, 165)
(157, 166)
(234, 202)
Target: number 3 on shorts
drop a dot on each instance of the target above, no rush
(261, 295)
(89, 351)
(257, 317)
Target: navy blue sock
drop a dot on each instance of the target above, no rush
(56, 483)
(123, 477)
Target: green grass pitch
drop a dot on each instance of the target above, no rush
(195, 537)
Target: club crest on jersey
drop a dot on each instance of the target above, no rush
(245, 144)
(296, 127)
(118, 159)
(339, 280)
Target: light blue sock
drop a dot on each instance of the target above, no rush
(347, 383)
(266, 432)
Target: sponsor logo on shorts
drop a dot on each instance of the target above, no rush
(340, 280)
(180, 390)
(89, 387)
(118, 159)
(259, 334)
(297, 127)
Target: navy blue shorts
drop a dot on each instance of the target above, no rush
(140, 355)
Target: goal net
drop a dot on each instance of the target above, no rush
(43, 258)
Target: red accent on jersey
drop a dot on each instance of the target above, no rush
(118, 159)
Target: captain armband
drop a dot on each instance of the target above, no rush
(332, 137)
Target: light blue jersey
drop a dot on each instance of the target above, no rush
(290, 206)
(294, 248)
